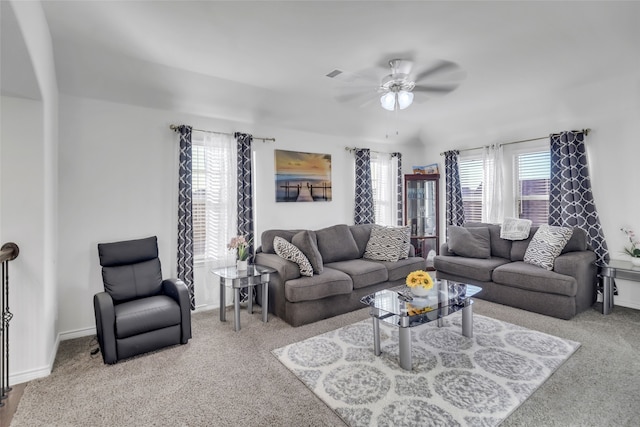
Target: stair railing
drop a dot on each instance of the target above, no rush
(8, 252)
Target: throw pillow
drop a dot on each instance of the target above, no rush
(388, 243)
(306, 242)
(290, 252)
(471, 242)
(546, 245)
(515, 229)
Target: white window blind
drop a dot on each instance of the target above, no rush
(214, 197)
(533, 171)
(471, 171)
(384, 175)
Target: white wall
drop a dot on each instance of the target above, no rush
(611, 109)
(34, 156)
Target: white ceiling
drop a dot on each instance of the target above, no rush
(266, 62)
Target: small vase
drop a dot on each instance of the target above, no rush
(241, 265)
(635, 261)
(419, 291)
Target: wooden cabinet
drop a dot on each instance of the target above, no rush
(421, 208)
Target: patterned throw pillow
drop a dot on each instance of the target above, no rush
(388, 243)
(290, 252)
(546, 245)
(515, 229)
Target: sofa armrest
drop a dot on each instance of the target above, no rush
(444, 250)
(286, 269)
(581, 266)
(177, 290)
(105, 326)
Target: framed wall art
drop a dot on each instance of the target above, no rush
(302, 177)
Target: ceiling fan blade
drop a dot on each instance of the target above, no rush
(436, 89)
(441, 68)
(357, 96)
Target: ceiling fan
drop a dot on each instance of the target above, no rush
(397, 90)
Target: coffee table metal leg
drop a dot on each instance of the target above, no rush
(467, 321)
(222, 301)
(265, 302)
(250, 299)
(405, 348)
(376, 336)
(236, 308)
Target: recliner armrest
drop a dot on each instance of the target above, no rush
(105, 326)
(177, 289)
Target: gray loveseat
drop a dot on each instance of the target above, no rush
(341, 275)
(564, 291)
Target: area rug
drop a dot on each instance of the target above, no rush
(455, 381)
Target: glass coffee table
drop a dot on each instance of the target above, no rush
(398, 307)
(237, 279)
(615, 269)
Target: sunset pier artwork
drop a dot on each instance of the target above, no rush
(302, 177)
(308, 193)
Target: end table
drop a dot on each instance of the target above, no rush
(237, 279)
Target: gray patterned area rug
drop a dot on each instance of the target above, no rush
(455, 380)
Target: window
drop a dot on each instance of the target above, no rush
(532, 172)
(471, 182)
(213, 181)
(384, 179)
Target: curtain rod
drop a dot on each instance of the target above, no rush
(352, 149)
(586, 132)
(175, 128)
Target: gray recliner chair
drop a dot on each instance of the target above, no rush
(138, 311)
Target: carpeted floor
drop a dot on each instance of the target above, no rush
(224, 377)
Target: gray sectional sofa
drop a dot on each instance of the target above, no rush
(341, 275)
(562, 292)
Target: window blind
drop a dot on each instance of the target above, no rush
(533, 172)
(471, 182)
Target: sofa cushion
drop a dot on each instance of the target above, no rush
(515, 228)
(328, 283)
(519, 247)
(307, 243)
(499, 247)
(546, 245)
(290, 252)
(363, 273)
(400, 269)
(577, 242)
(521, 275)
(336, 243)
(268, 235)
(361, 234)
(477, 269)
(145, 314)
(388, 243)
(472, 242)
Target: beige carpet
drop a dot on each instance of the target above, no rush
(225, 378)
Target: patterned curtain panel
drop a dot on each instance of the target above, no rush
(185, 221)
(454, 206)
(364, 210)
(398, 157)
(245, 192)
(571, 202)
(245, 199)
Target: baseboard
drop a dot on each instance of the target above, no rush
(78, 333)
(34, 374)
(626, 303)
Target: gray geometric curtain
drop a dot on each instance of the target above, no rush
(245, 192)
(185, 221)
(454, 205)
(364, 213)
(399, 188)
(571, 202)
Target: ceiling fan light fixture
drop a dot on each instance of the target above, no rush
(388, 101)
(404, 99)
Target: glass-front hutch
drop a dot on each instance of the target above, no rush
(421, 213)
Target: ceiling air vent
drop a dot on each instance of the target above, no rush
(334, 73)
